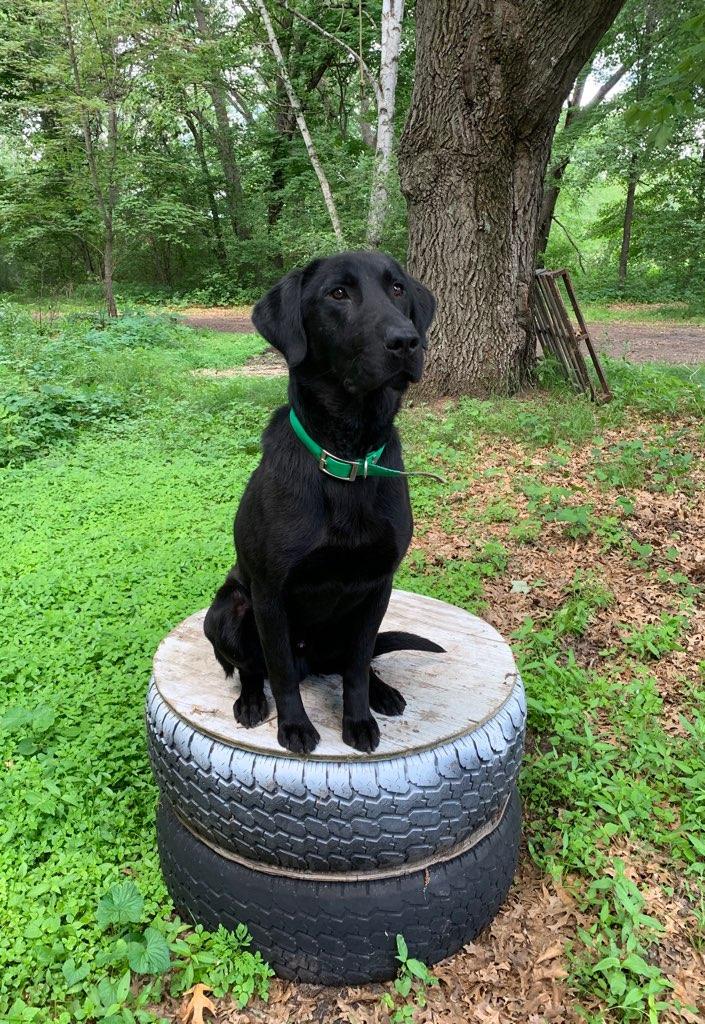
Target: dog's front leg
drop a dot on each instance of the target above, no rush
(360, 729)
(295, 731)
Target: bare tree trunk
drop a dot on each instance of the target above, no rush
(108, 270)
(105, 198)
(218, 245)
(301, 122)
(574, 115)
(490, 82)
(392, 18)
(285, 130)
(367, 132)
(645, 45)
(224, 138)
(627, 225)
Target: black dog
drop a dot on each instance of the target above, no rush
(319, 536)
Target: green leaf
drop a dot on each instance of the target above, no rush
(122, 989)
(418, 969)
(73, 974)
(14, 719)
(150, 956)
(637, 965)
(403, 985)
(43, 718)
(402, 949)
(122, 904)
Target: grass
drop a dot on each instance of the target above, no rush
(122, 472)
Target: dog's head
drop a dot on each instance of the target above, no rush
(357, 316)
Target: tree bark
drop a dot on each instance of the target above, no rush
(645, 45)
(392, 18)
(108, 271)
(218, 245)
(490, 82)
(106, 197)
(575, 114)
(627, 225)
(301, 122)
(224, 138)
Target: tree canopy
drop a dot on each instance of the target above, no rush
(159, 144)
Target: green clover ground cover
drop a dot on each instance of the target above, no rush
(121, 526)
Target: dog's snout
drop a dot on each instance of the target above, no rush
(401, 340)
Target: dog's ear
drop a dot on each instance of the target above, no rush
(423, 306)
(277, 317)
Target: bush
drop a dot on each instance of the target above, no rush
(31, 422)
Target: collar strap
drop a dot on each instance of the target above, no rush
(347, 469)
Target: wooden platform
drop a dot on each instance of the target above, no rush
(447, 695)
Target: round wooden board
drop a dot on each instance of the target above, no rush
(447, 695)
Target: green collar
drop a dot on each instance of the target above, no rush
(347, 469)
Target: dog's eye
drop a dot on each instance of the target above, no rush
(339, 294)
(397, 290)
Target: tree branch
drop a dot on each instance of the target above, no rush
(300, 120)
(606, 87)
(371, 78)
(567, 234)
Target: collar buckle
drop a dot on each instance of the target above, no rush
(354, 466)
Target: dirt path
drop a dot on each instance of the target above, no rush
(651, 342)
(640, 342)
(233, 321)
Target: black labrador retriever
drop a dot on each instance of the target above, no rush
(326, 519)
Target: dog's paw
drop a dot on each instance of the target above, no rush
(362, 734)
(251, 710)
(385, 699)
(299, 737)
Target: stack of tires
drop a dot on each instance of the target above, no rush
(327, 858)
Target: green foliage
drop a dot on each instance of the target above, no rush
(459, 581)
(612, 964)
(409, 988)
(112, 537)
(104, 545)
(655, 639)
(586, 595)
(632, 463)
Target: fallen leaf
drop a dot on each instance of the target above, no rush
(195, 1003)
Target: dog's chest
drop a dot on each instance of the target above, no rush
(364, 552)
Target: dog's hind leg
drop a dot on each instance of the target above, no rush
(384, 698)
(231, 629)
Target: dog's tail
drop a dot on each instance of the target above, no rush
(396, 640)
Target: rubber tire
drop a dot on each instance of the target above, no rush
(353, 815)
(342, 933)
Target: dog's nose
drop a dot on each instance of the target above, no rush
(401, 340)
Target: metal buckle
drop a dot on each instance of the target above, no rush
(327, 455)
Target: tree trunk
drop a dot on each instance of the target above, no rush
(218, 246)
(224, 138)
(392, 18)
(301, 122)
(108, 270)
(106, 197)
(627, 226)
(490, 82)
(574, 115)
(645, 46)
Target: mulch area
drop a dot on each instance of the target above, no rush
(639, 342)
